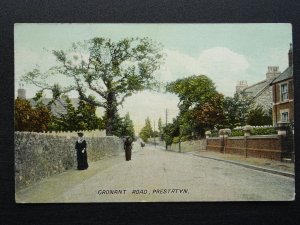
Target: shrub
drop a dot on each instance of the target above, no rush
(263, 131)
(237, 132)
(176, 140)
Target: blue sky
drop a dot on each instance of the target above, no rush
(226, 53)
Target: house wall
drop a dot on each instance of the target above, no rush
(278, 106)
(265, 99)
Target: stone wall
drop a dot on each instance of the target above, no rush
(187, 146)
(40, 155)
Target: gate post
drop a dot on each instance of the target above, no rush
(223, 134)
(247, 132)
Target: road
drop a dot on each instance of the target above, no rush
(156, 175)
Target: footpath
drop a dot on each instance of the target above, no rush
(266, 165)
(261, 164)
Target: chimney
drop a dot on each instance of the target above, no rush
(241, 85)
(291, 55)
(21, 92)
(273, 71)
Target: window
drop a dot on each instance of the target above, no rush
(284, 92)
(284, 117)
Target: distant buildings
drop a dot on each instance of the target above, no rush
(261, 92)
(276, 92)
(59, 106)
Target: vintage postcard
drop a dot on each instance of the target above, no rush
(153, 112)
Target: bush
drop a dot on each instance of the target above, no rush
(214, 133)
(237, 132)
(263, 131)
(176, 140)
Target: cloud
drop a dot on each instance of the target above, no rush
(224, 66)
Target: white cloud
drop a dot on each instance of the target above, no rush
(224, 66)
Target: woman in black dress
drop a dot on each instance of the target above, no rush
(80, 147)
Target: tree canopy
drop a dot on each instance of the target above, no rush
(200, 105)
(28, 118)
(103, 72)
(146, 131)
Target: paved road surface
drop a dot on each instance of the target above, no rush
(156, 175)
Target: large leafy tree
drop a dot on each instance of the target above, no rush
(211, 113)
(200, 104)
(110, 70)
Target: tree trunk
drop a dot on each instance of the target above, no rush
(111, 112)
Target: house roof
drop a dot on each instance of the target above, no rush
(59, 106)
(257, 88)
(285, 75)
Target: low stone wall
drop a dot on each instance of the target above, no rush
(187, 146)
(264, 146)
(87, 133)
(40, 155)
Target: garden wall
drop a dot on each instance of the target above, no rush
(263, 146)
(40, 155)
(187, 146)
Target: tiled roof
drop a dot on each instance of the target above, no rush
(287, 74)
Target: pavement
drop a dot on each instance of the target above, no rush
(156, 175)
(261, 164)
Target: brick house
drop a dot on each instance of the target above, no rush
(283, 94)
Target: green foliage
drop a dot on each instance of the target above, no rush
(110, 70)
(258, 117)
(201, 106)
(146, 131)
(28, 118)
(214, 133)
(263, 131)
(124, 126)
(176, 140)
(170, 131)
(82, 118)
(236, 110)
(237, 132)
(192, 90)
(259, 130)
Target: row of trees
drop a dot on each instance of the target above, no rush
(203, 108)
(39, 118)
(147, 131)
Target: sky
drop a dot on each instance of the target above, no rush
(226, 53)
